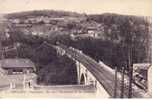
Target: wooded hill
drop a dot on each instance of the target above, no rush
(120, 39)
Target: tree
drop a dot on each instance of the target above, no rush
(3, 27)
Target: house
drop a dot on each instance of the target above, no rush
(17, 73)
(140, 74)
(92, 31)
(17, 66)
(16, 21)
(150, 80)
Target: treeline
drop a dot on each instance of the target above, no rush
(125, 38)
(51, 68)
(44, 13)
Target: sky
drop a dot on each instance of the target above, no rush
(128, 7)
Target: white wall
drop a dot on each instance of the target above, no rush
(150, 81)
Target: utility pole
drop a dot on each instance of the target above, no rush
(115, 87)
(130, 72)
(122, 82)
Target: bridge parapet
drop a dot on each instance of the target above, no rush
(84, 76)
(102, 75)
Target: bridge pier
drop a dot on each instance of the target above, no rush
(78, 72)
(84, 76)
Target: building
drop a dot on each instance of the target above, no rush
(140, 74)
(150, 80)
(92, 31)
(17, 73)
(17, 66)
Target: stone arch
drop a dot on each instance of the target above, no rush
(82, 79)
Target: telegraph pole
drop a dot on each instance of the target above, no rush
(115, 87)
(130, 72)
(122, 82)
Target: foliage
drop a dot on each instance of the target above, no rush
(122, 37)
(50, 67)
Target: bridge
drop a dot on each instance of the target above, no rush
(102, 77)
(93, 76)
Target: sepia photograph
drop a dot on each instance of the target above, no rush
(76, 49)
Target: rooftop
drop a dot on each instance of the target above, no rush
(144, 66)
(17, 62)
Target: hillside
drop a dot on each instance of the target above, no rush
(45, 13)
(111, 38)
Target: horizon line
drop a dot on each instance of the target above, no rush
(71, 11)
